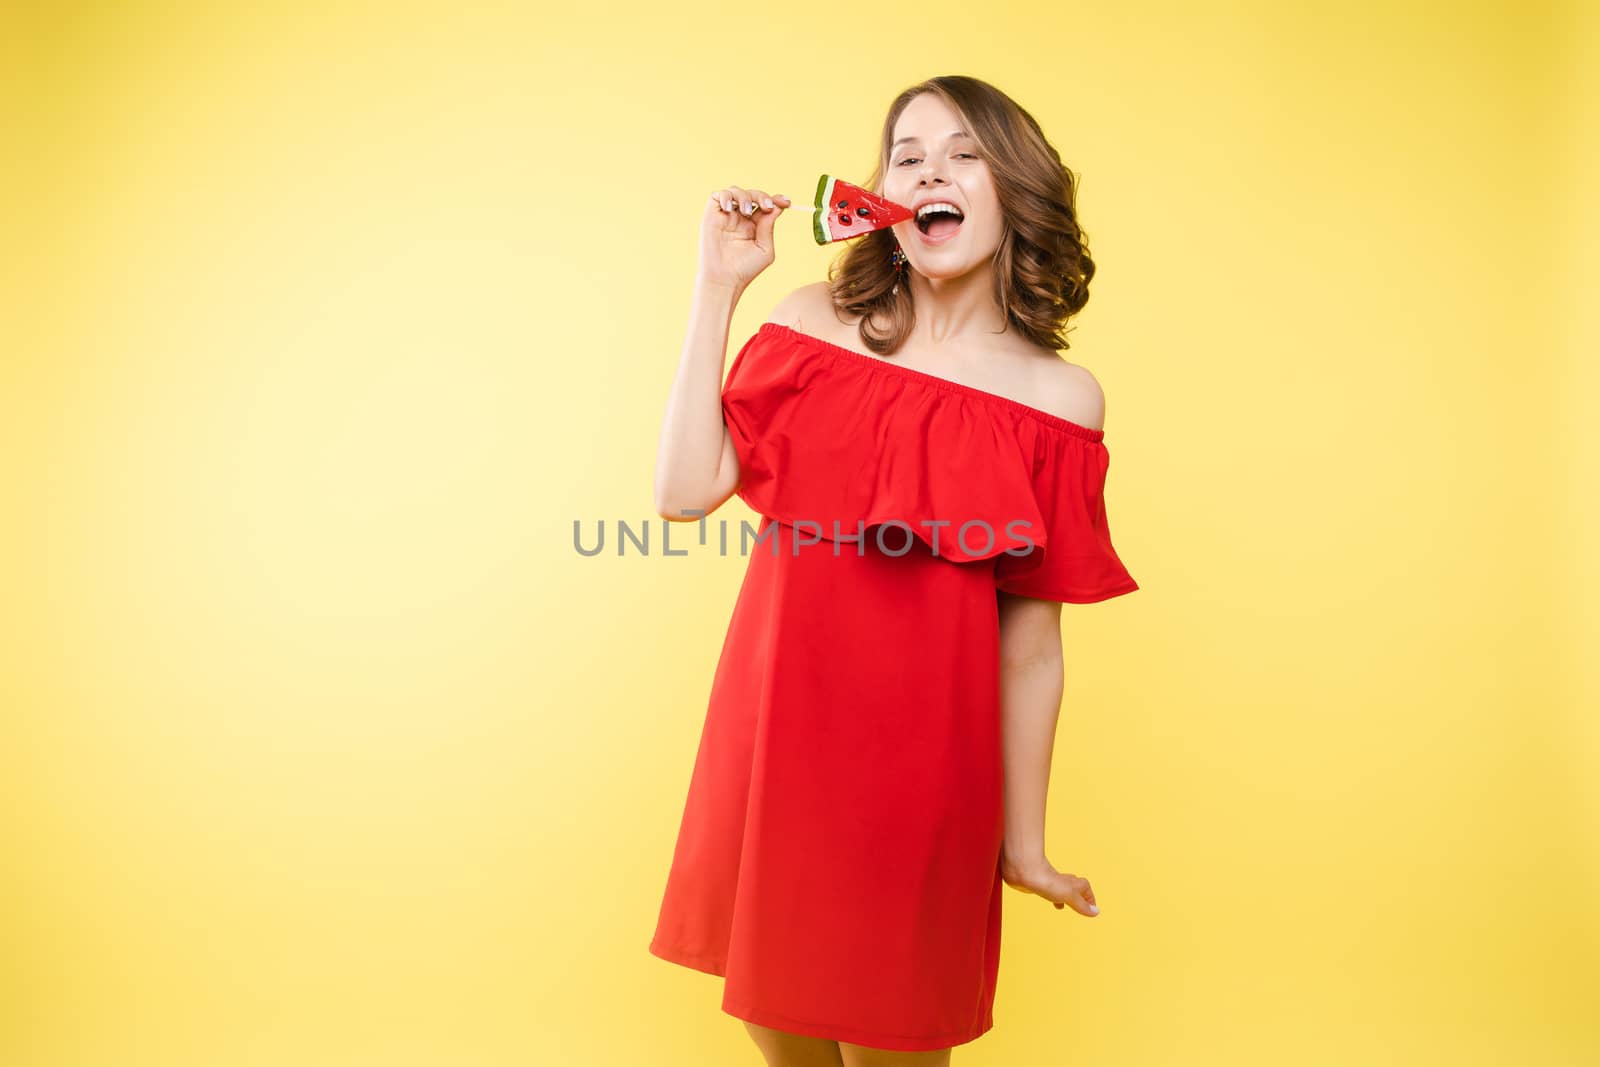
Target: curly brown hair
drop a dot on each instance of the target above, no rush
(1041, 269)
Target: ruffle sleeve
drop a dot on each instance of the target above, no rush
(1078, 564)
(843, 442)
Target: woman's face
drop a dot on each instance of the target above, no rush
(931, 159)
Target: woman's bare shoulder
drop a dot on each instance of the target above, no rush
(805, 309)
(1070, 391)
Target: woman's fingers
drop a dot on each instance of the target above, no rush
(1062, 889)
(1081, 905)
(768, 201)
(766, 219)
(733, 200)
(1080, 896)
(744, 201)
(738, 200)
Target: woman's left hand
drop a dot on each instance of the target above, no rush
(1039, 877)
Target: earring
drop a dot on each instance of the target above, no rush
(898, 258)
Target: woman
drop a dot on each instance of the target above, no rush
(929, 474)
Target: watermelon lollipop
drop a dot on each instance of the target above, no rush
(844, 211)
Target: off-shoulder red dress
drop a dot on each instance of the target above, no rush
(838, 859)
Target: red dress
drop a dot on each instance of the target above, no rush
(838, 859)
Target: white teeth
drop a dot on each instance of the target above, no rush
(929, 209)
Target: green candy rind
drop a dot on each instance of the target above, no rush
(821, 204)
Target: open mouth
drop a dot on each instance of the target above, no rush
(939, 222)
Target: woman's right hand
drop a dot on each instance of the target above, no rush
(736, 235)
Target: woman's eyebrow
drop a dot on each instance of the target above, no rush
(952, 137)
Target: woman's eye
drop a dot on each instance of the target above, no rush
(913, 159)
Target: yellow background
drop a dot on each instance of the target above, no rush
(323, 322)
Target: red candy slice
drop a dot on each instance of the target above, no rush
(845, 211)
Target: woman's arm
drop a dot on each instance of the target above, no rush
(696, 465)
(1032, 680)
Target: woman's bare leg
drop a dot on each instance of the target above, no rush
(862, 1056)
(783, 1049)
